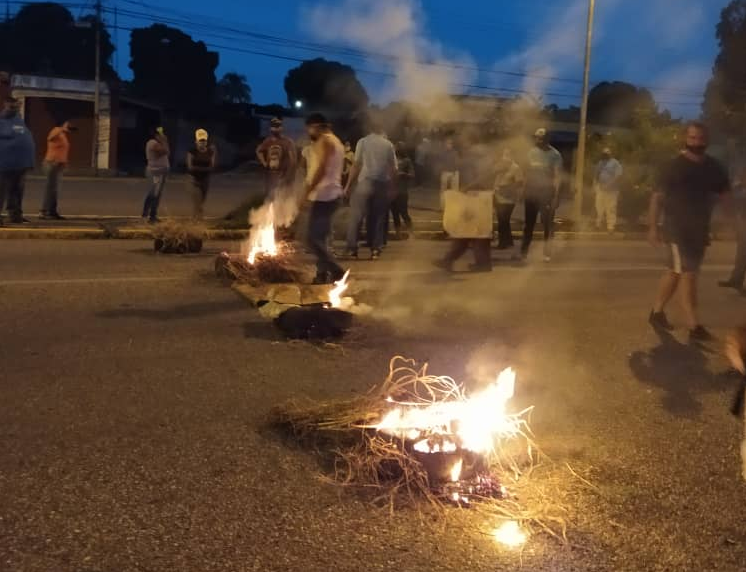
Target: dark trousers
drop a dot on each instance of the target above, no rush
(153, 198)
(400, 209)
(504, 234)
(533, 208)
(369, 201)
(481, 247)
(54, 181)
(12, 185)
(319, 228)
(200, 188)
(739, 269)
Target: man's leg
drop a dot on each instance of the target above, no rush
(319, 227)
(15, 196)
(380, 210)
(739, 268)
(532, 212)
(688, 298)
(670, 280)
(358, 210)
(611, 208)
(49, 206)
(396, 212)
(158, 184)
(404, 207)
(599, 208)
(482, 256)
(547, 220)
(458, 247)
(504, 234)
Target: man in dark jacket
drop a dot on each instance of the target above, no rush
(17, 152)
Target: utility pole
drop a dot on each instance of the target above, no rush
(580, 159)
(97, 89)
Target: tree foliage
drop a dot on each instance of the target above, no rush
(233, 88)
(725, 97)
(45, 39)
(169, 67)
(618, 104)
(326, 85)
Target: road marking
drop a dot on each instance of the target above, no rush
(99, 280)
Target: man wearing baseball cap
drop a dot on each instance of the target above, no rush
(277, 155)
(606, 184)
(201, 161)
(543, 176)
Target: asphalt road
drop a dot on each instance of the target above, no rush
(135, 390)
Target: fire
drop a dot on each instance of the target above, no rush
(262, 237)
(510, 534)
(457, 422)
(335, 294)
(456, 471)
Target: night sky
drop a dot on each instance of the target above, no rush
(667, 45)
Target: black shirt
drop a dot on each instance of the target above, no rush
(202, 160)
(690, 190)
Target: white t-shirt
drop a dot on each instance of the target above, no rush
(376, 156)
(329, 187)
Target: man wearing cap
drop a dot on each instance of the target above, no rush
(55, 162)
(201, 161)
(277, 155)
(17, 152)
(542, 176)
(323, 188)
(606, 183)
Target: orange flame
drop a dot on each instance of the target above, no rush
(262, 238)
(335, 294)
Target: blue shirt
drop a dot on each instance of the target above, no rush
(607, 173)
(376, 156)
(17, 149)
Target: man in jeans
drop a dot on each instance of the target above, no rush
(606, 184)
(278, 157)
(374, 170)
(541, 195)
(200, 163)
(17, 152)
(323, 189)
(55, 161)
(156, 154)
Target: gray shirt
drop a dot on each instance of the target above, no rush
(376, 157)
(156, 161)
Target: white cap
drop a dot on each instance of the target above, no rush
(540, 132)
(200, 135)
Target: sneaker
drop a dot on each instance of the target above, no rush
(19, 220)
(154, 220)
(700, 334)
(659, 321)
(730, 284)
(51, 216)
(375, 254)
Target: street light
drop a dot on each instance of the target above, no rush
(298, 104)
(580, 162)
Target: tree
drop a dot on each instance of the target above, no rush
(617, 103)
(168, 66)
(725, 97)
(326, 85)
(232, 88)
(45, 39)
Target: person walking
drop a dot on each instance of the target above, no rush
(405, 176)
(55, 162)
(277, 154)
(541, 195)
(739, 268)
(374, 170)
(349, 160)
(508, 187)
(323, 190)
(201, 161)
(157, 152)
(449, 170)
(606, 182)
(17, 152)
(684, 200)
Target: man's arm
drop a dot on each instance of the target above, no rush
(189, 162)
(324, 154)
(357, 166)
(260, 153)
(214, 158)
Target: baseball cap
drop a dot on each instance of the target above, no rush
(200, 135)
(540, 132)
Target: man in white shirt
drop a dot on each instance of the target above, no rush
(606, 184)
(374, 171)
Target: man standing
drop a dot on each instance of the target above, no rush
(55, 161)
(606, 183)
(685, 197)
(508, 187)
(201, 161)
(449, 170)
(739, 268)
(277, 155)
(157, 151)
(17, 152)
(543, 176)
(404, 178)
(323, 189)
(374, 171)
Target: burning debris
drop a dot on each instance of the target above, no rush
(419, 437)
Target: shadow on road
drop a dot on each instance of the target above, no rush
(681, 371)
(181, 312)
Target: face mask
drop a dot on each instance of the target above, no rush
(696, 149)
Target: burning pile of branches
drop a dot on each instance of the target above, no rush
(419, 437)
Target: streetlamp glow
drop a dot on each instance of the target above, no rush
(298, 104)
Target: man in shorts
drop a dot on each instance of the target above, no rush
(688, 187)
